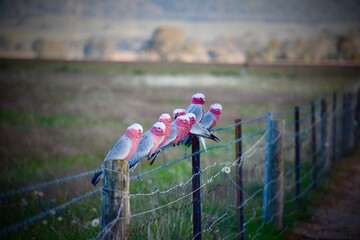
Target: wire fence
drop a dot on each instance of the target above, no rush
(240, 196)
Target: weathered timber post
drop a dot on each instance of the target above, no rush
(334, 129)
(115, 201)
(277, 191)
(267, 168)
(345, 136)
(357, 118)
(351, 114)
(297, 156)
(324, 135)
(273, 197)
(239, 195)
(314, 145)
(196, 189)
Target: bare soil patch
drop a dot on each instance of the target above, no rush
(337, 214)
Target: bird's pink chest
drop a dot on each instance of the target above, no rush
(134, 145)
(181, 133)
(156, 142)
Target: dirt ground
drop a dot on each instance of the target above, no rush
(337, 214)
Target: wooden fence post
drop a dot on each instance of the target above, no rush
(324, 135)
(334, 129)
(314, 145)
(297, 156)
(195, 187)
(239, 195)
(278, 177)
(351, 121)
(344, 126)
(267, 168)
(357, 118)
(115, 201)
(273, 199)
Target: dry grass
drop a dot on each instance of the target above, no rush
(56, 124)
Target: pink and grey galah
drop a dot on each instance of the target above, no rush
(197, 106)
(212, 116)
(179, 130)
(178, 112)
(199, 131)
(166, 119)
(124, 148)
(183, 126)
(148, 144)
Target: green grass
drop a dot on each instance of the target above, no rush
(60, 118)
(32, 119)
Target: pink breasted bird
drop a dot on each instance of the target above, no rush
(176, 126)
(148, 144)
(183, 127)
(197, 106)
(212, 116)
(199, 131)
(178, 112)
(166, 119)
(124, 148)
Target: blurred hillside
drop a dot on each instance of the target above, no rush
(190, 31)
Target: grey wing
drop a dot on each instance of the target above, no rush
(195, 109)
(145, 145)
(120, 149)
(172, 135)
(200, 130)
(207, 120)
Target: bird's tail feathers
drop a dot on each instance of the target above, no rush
(202, 141)
(132, 168)
(154, 156)
(214, 138)
(97, 176)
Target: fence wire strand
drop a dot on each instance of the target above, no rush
(155, 201)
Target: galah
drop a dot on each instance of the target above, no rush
(199, 131)
(124, 148)
(166, 119)
(179, 130)
(212, 116)
(197, 106)
(148, 144)
(183, 126)
(178, 112)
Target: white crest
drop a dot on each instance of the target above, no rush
(190, 115)
(136, 126)
(159, 125)
(199, 95)
(178, 110)
(216, 106)
(165, 116)
(184, 117)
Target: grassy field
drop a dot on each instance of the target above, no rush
(60, 118)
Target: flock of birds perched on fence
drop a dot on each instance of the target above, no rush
(135, 145)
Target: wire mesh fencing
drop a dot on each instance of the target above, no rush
(248, 185)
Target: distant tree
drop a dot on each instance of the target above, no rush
(323, 48)
(347, 47)
(168, 42)
(5, 43)
(250, 53)
(38, 46)
(98, 48)
(273, 50)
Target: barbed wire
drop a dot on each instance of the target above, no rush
(256, 144)
(44, 184)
